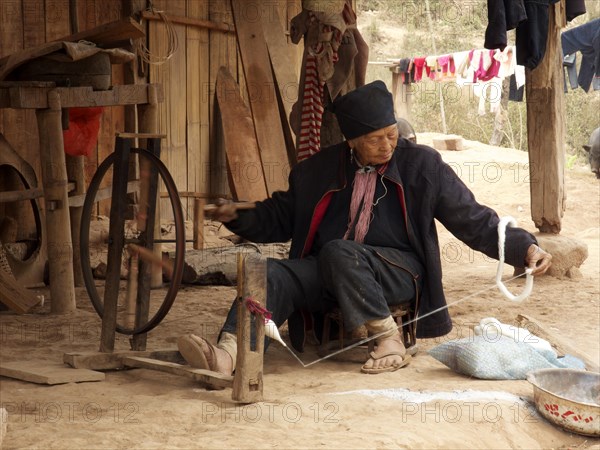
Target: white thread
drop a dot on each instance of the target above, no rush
(504, 222)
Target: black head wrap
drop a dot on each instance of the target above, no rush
(365, 109)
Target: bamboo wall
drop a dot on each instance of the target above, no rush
(193, 149)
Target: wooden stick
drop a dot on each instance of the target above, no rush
(150, 257)
(559, 343)
(238, 205)
(199, 204)
(224, 27)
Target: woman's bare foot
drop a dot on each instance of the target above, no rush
(201, 354)
(390, 355)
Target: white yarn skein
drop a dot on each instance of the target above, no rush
(504, 222)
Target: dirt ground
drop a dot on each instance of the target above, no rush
(330, 404)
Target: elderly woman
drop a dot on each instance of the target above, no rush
(361, 219)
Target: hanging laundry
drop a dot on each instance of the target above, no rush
(574, 8)
(585, 39)
(503, 15)
(532, 33)
(334, 62)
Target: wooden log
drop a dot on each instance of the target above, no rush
(546, 130)
(54, 176)
(214, 265)
(252, 284)
(559, 343)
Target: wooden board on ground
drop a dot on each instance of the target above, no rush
(45, 372)
(200, 375)
(114, 360)
(263, 99)
(559, 343)
(247, 180)
(14, 296)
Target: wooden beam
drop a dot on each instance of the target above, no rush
(200, 23)
(37, 97)
(24, 194)
(58, 224)
(102, 194)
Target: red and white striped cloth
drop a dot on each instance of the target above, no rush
(312, 111)
(309, 141)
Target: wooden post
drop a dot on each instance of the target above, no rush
(148, 123)
(116, 236)
(252, 283)
(199, 204)
(54, 176)
(402, 94)
(75, 173)
(546, 130)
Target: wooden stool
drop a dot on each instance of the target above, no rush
(400, 313)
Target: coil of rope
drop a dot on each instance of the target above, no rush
(144, 52)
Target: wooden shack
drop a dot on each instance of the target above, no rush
(184, 44)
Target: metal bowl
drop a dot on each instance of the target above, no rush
(568, 398)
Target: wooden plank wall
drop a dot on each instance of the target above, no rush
(193, 149)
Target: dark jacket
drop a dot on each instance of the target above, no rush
(427, 189)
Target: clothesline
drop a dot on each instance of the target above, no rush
(483, 69)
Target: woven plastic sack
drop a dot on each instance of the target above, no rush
(82, 135)
(499, 359)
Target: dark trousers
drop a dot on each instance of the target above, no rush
(345, 274)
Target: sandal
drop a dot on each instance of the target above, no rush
(406, 358)
(385, 352)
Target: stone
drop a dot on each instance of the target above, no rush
(568, 254)
(449, 142)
